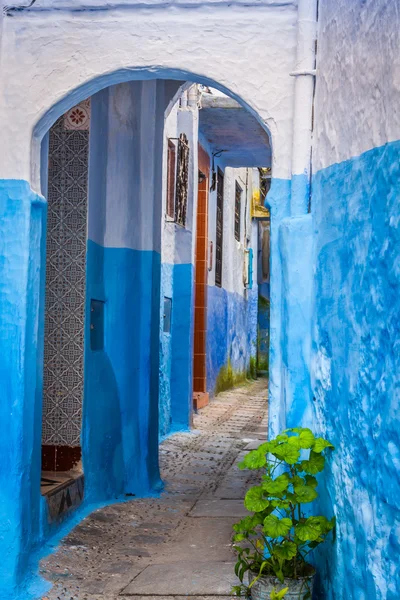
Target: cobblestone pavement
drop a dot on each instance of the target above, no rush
(179, 543)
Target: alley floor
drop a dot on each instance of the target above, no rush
(178, 544)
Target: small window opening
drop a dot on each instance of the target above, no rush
(182, 180)
(238, 205)
(171, 180)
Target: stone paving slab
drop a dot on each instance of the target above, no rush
(219, 508)
(204, 539)
(184, 579)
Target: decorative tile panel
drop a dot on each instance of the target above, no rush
(65, 277)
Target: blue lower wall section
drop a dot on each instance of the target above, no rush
(120, 409)
(296, 246)
(176, 349)
(22, 217)
(231, 332)
(278, 201)
(356, 370)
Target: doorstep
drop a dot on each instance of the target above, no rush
(63, 492)
(200, 400)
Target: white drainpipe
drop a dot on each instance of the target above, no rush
(193, 96)
(303, 105)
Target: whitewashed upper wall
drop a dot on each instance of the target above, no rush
(99, 5)
(233, 251)
(47, 53)
(358, 79)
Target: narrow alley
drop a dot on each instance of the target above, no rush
(177, 544)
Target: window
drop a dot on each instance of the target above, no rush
(171, 180)
(238, 204)
(182, 178)
(219, 234)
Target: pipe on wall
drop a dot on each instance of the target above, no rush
(304, 72)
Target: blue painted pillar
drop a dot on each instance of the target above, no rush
(296, 251)
(278, 199)
(22, 247)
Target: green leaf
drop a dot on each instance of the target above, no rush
(275, 527)
(248, 524)
(311, 481)
(279, 595)
(325, 525)
(309, 530)
(294, 441)
(305, 494)
(306, 438)
(236, 590)
(282, 437)
(284, 504)
(314, 464)
(255, 459)
(278, 485)
(288, 453)
(239, 537)
(320, 444)
(286, 550)
(254, 499)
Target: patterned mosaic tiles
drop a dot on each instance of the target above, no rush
(65, 277)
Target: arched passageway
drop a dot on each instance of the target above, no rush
(104, 407)
(137, 309)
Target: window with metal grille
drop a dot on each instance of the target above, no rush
(220, 226)
(182, 178)
(238, 204)
(171, 180)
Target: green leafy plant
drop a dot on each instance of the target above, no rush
(279, 595)
(277, 537)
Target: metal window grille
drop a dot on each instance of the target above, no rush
(171, 180)
(238, 203)
(220, 225)
(182, 178)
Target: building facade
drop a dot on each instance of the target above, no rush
(333, 128)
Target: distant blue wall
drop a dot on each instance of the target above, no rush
(356, 370)
(230, 332)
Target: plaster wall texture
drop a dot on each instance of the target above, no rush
(97, 48)
(355, 335)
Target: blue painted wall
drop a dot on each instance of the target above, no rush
(356, 366)
(120, 420)
(21, 285)
(296, 245)
(176, 350)
(230, 332)
(277, 200)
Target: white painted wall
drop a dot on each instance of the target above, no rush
(46, 54)
(177, 241)
(233, 251)
(358, 93)
(125, 187)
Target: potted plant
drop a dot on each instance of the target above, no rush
(273, 543)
